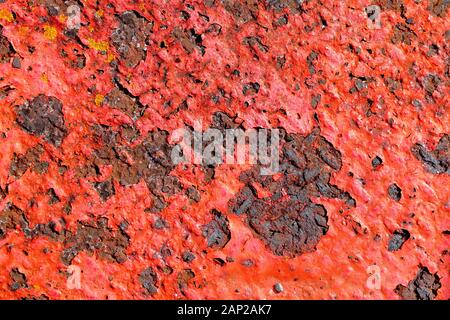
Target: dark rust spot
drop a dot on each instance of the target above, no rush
(424, 286)
(43, 116)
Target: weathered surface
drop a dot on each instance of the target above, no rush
(423, 287)
(43, 117)
(89, 107)
(287, 220)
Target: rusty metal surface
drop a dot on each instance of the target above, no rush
(91, 206)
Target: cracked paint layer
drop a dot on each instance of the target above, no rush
(91, 206)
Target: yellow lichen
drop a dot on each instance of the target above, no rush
(50, 32)
(110, 57)
(6, 15)
(99, 99)
(98, 45)
(44, 78)
(62, 18)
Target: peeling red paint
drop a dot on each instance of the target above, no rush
(376, 99)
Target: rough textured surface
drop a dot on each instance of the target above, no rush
(43, 117)
(288, 221)
(423, 287)
(88, 191)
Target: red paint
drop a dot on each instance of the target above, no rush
(338, 268)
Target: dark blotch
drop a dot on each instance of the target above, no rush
(148, 279)
(18, 280)
(436, 161)
(105, 189)
(217, 232)
(425, 286)
(43, 116)
(376, 162)
(397, 240)
(395, 193)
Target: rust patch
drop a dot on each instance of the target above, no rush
(288, 221)
(424, 286)
(131, 38)
(43, 117)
